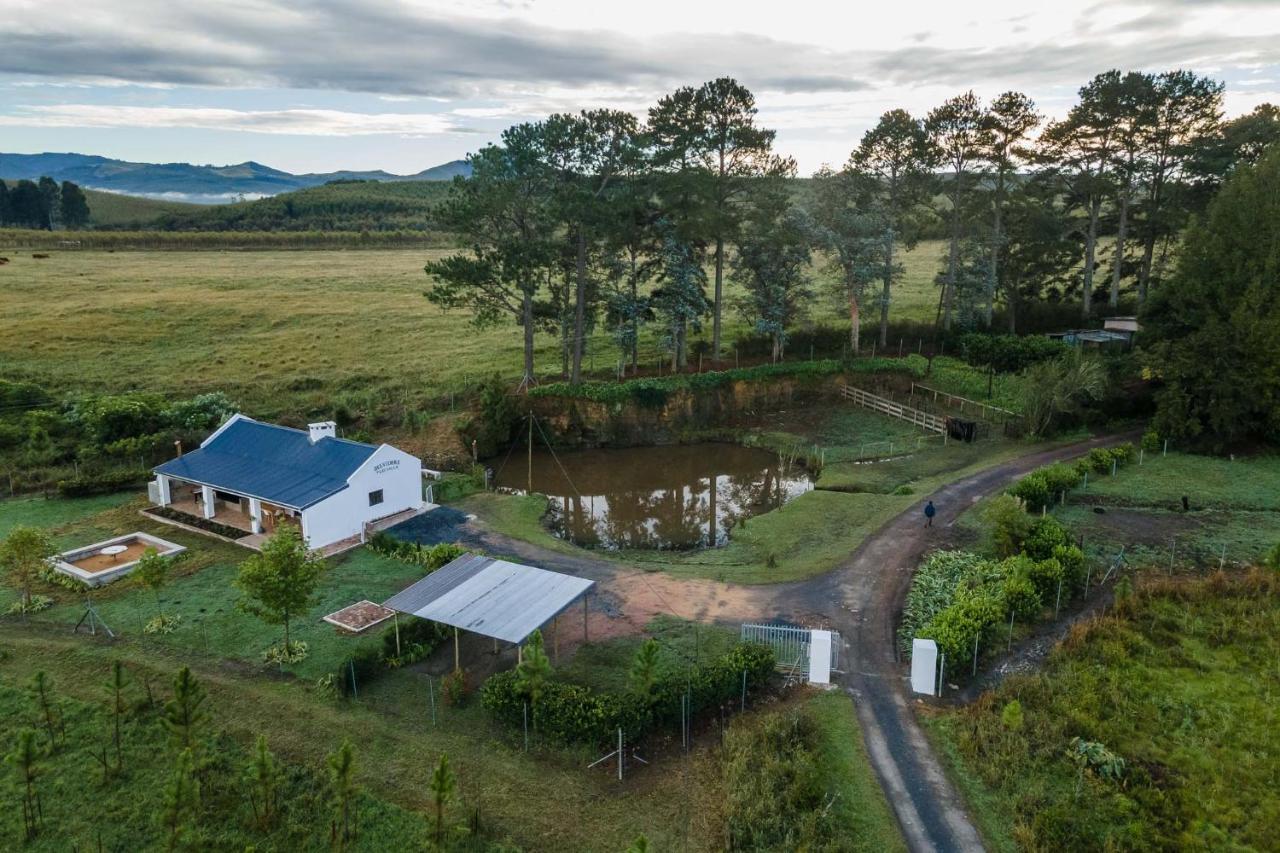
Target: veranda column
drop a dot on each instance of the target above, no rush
(163, 482)
(255, 515)
(207, 498)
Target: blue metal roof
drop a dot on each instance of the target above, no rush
(277, 464)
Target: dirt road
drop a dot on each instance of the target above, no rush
(861, 598)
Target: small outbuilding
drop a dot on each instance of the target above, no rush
(252, 476)
(495, 598)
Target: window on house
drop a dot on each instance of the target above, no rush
(375, 498)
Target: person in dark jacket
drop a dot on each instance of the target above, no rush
(929, 512)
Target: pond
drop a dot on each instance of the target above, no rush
(655, 497)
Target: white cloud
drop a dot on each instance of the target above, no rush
(299, 122)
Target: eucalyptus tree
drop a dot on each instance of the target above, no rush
(1134, 115)
(680, 300)
(503, 214)
(1081, 149)
(958, 134)
(1187, 109)
(851, 231)
(1038, 252)
(711, 134)
(586, 154)
(772, 263)
(1239, 142)
(896, 157)
(630, 253)
(1007, 124)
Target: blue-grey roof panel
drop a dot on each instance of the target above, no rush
(271, 462)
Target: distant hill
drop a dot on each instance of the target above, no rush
(191, 183)
(343, 205)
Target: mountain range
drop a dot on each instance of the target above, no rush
(188, 182)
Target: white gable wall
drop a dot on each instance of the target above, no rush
(344, 514)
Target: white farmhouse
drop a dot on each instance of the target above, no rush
(251, 475)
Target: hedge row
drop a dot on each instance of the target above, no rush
(654, 391)
(1043, 486)
(429, 557)
(103, 483)
(984, 594)
(570, 713)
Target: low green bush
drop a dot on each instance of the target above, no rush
(429, 557)
(103, 483)
(196, 521)
(570, 713)
(374, 657)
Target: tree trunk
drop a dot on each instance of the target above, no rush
(1122, 230)
(1144, 270)
(526, 313)
(884, 296)
(855, 322)
(993, 275)
(1090, 250)
(635, 317)
(953, 262)
(715, 316)
(579, 307)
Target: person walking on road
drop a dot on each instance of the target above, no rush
(929, 512)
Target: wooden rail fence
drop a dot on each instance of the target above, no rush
(988, 411)
(885, 406)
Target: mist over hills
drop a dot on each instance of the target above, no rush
(193, 183)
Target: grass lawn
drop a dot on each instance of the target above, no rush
(859, 801)
(293, 332)
(1235, 505)
(200, 590)
(1180, 683)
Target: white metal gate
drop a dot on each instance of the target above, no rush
(793, 647)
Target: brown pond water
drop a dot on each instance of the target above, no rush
(655, 497)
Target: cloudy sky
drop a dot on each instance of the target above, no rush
(405, 84)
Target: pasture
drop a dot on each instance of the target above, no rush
(295, 332)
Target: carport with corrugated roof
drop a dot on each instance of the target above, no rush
(483, 595)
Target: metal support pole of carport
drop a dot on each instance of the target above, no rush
(457, 660)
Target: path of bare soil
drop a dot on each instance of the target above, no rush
(861, 598)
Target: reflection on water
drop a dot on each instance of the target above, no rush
(656, 497)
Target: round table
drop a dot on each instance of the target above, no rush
(114, 551)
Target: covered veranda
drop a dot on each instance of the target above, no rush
(495, 598)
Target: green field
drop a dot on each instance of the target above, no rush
(1180, 683)
(284, 332)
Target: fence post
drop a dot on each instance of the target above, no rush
(743, 706)
(1222, 561)
(942, 671)
(1058, 601)
(1010, 646)
(1165, 452)
(431, 694)
(526, 726)
(975, 656)
(354, 693)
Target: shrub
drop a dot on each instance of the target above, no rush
(973, 613)
(1020, 593)
(570, 713)
(33, 604)
(418, 638)
(454, 688)
(429, 557)
(1008, 525)
(1151, 441)
(1032, 490)
(1046, 534)
(934, 588)
(101, 483)
(223, 530)
(164, 623)
(363, 665)
(279, 654)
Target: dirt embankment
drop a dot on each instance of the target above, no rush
(683, 414)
